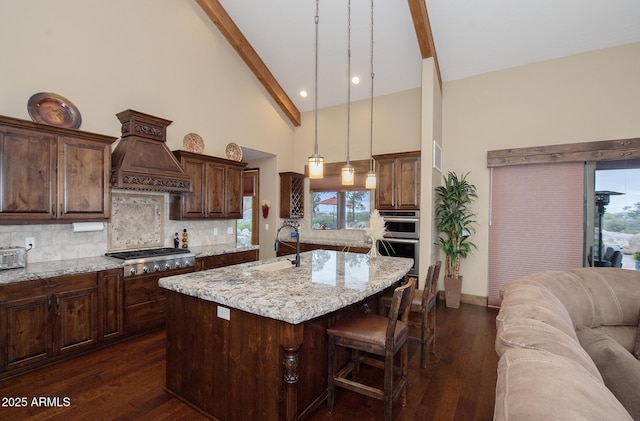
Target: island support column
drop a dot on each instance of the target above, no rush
(292, 336)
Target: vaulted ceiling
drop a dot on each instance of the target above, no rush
(276, 38)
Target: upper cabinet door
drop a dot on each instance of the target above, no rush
(83, 170)
(408, 185)
(28, 171)
(193, 204)
(216, 186)
(233, 199)
(386, 184)
(398, 181)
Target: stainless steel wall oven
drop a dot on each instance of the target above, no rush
(403, 236)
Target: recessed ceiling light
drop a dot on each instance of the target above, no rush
(355, 80)
(303, 94)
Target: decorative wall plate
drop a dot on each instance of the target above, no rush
(193, 142)
(233, 152)
(53, 109)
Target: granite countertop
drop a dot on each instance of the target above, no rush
(337, 242)
(325, 281)
(331, 240)
(43, 270)
(214, 250)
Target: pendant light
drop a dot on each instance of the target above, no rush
(370, 182)
(348, 172)
(316, 162)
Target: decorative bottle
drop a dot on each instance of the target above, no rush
(185, 239)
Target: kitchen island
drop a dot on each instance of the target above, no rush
(249, 341)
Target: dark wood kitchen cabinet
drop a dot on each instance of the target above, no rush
(46, 319)
(291, 195)
(144, 302)
(398, 184)
(111, 304)
(52, 174)
(217, 188)
(226, 259)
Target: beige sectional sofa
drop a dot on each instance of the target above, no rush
(566, 342)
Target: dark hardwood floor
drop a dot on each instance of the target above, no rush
(125, 381)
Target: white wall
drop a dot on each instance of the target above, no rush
(587, 97)
(396, 128)
(161, 57)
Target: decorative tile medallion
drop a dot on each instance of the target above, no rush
(137, 221)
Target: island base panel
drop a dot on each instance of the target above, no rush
(248, 367)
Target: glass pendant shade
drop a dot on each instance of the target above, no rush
(348, 175)
(370, 182)
(316, 166)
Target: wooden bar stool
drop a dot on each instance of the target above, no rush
(424, 302)
(364, 334)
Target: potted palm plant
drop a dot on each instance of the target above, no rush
(455, 223)
(636, 257)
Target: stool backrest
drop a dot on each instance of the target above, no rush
(400, 307)
(431, 282)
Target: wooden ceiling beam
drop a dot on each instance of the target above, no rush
(422, 26)
(232, 33)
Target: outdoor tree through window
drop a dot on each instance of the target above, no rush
(333, 210)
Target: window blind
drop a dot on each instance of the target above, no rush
(536, 221)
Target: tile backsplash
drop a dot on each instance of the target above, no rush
(137, 221)
(58, 242)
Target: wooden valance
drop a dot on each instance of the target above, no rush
(332, 176)
(606, 150)
(334, 168)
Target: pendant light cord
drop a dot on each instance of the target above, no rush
(315, 145)
(348, 75)
(371, 100)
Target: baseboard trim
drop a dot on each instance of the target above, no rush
(476, 300)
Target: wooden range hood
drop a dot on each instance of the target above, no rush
(142, 160)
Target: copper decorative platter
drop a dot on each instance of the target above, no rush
(233, 152)
(193, 142)
(53, 109)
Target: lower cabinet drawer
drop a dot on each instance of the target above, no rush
(146, 316)
(142, 289)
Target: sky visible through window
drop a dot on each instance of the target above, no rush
(625, 181)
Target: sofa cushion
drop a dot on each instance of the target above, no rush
(541, 336)
(624, 335)
(534, 385)
(618, 367)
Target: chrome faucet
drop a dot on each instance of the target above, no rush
(294, 226)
